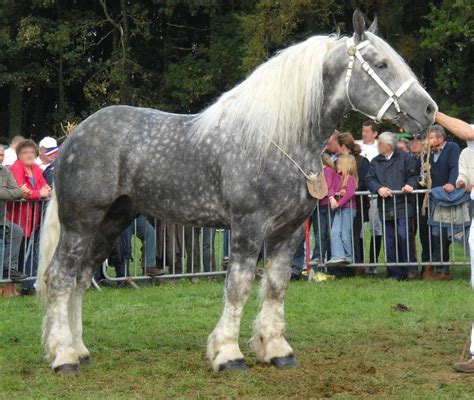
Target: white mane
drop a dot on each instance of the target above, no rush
(280, 101)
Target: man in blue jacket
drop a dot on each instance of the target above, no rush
(394, 170)
(444, 172)
(463, 131)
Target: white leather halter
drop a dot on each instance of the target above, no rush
(354, 53)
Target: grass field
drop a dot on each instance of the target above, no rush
(350, 343)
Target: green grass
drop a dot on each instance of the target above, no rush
(350, 343)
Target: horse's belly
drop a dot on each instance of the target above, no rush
(180, 205)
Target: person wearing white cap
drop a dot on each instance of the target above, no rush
(465, 179)
(48, 148)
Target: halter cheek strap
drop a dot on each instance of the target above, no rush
(354, 53)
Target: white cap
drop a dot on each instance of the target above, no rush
(48, 142)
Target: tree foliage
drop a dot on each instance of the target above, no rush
(64, 59)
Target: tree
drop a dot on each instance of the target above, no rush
(449, 42)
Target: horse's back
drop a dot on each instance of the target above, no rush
(145, 154)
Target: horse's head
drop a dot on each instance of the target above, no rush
(380, 84)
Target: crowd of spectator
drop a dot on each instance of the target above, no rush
(384, 164)
(388, 166)
(26, 173)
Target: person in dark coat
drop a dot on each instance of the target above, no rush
(444, 172)
(394, 170)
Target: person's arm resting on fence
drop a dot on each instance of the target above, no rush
(350, 192)
(33, 194)
(9, 190)
(371, 180)
(413, 171)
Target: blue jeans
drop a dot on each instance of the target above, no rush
(403, 245)
(147, 234)
(341, 234)
(208, 240)
(30, 246)
(226, 242)
(193, 249)
(123, 253)
(322, 233)
(440, 249)
(297, 265)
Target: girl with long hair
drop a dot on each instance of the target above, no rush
(343, 202)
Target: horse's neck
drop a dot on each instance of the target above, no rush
(335, 103)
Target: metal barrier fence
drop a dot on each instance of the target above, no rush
(153, 249)
(407, 235)
(19, 239)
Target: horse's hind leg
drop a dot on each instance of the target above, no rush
(100, 243)
(268, 339)
(57, 335)
(84, 280)
(222, 344)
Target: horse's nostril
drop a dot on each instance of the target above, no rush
(429, 109)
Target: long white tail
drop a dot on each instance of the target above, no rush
(49, 239)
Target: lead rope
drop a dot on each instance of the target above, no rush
(310, 176)
(316, 184)
(426, 169)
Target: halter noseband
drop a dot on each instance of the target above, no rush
(354, 52)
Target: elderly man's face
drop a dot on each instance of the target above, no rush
(415, 146)
(44, 157)
(402, 146)
(384, 148)
(435, 141)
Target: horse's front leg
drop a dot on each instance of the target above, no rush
(268, 339)
(223, 343)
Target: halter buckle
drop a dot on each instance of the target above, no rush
(352, 50)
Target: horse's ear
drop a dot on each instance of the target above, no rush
(358, 23)
(374, 26)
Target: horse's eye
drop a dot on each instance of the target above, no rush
(382, 65)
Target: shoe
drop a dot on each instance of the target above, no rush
(27, 291)
(428, 274)
(372, 271)
(17, 275)
(413, 275)
(107, 283)
(295, 277)
(225, 263)
(153, 271)
(442, 277)
(466, 367)
(333, 262)
(128, 283)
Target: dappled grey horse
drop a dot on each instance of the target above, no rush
(226, 167)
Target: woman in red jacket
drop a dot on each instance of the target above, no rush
(27, 214)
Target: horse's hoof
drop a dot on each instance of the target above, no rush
(284, 362)
(85, 360)
(67, 368)
(234, 365)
